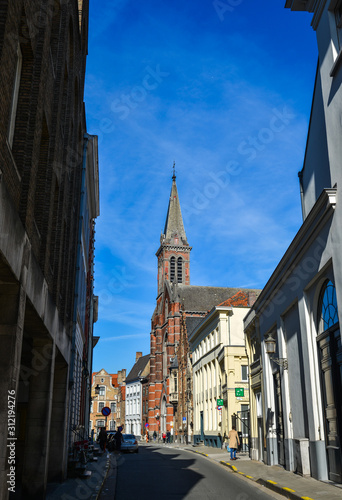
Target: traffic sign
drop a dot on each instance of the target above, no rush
(219, 402)
(106, 411)
(239, 392)
(147, 424)
(184, 419)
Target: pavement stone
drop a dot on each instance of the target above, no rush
(82, 489)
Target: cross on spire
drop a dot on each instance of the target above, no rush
(174, 171)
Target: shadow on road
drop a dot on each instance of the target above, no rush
(155, 473)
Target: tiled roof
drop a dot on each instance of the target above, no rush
(138, 368)
(204, 298)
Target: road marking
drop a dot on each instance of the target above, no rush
(288, 489)
(272, 482)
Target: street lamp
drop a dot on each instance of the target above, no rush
(270, 344)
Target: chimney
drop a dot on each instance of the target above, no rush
(137, 356)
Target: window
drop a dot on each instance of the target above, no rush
(91, 407)
(175, 380)
(100, 423)
(113, 407)
(327, 314)
(112, 425)
(101, 405)
(244, 373)
(15, 95)
(102, 390)
(180, 270)
(172, 269)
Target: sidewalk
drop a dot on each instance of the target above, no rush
(283, 482)
(86, 489)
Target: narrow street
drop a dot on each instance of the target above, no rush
(160, 472)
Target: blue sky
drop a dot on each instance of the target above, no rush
(223, 89)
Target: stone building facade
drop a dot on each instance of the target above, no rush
(47, 307)
(220, 371)
(110, 388)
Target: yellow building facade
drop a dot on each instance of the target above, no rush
(220, 374)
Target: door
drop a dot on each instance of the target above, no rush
(279, 419)
(202, 426)
(330, 351)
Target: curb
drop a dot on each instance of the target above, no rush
(282, 490)
(103, 480)
(271, 485)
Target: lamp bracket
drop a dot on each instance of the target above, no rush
(281, 362)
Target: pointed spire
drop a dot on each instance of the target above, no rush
(174, 231)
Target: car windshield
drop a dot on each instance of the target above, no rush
(128, 436)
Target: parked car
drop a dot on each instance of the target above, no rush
(129, 443)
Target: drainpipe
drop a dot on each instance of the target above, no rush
(78, 261)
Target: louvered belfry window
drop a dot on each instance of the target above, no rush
(179, 270)
(172, 269)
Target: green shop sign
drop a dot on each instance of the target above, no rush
(219, 402)
(239, 392)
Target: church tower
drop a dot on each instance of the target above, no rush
(174, 251)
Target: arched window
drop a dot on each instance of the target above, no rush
(180, 270)
(172, 269)
(327, 312)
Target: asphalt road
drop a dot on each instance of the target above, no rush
(161, 473)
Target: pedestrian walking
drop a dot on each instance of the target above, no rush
(168, 435)
(164, 437)
(103, 438)
(234, 442)
(154, 436)
(118, 437)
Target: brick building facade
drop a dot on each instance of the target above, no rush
(111, 387)
(180, 308)
(48, 184)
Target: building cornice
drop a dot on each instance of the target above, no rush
(319, 214)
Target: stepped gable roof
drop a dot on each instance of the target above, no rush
(174, 232)
(138, 368)
(204, 298)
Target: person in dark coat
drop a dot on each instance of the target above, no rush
(118, 439)
(103, 438)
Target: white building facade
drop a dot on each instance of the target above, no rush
(296, 392)
(133, 406)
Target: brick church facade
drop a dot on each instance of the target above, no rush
(180, 308)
